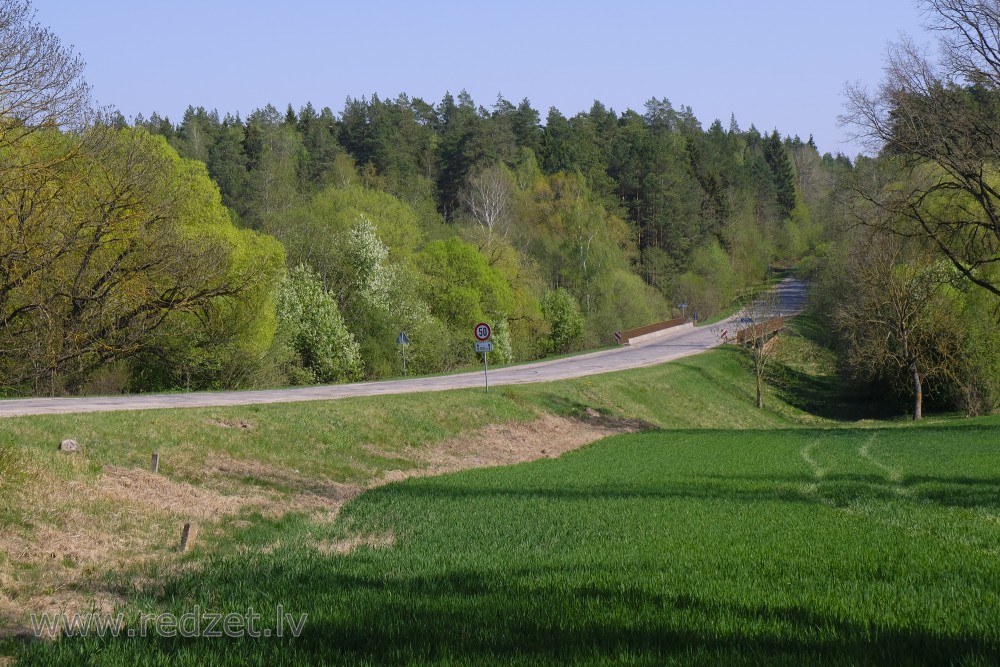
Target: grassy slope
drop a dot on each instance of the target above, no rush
(336, 440)
(731, 537)
(63, 530)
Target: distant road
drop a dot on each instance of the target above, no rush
(792, 297)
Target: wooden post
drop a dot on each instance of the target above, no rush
(156, 463)
(188, 535)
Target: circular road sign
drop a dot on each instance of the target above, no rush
(482, 331)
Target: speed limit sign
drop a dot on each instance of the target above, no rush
(482, 331)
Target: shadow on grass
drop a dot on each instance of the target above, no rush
(841, 490)
(378, 607)
(358, 614)
(826, 396)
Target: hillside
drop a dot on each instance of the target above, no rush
(264, 483)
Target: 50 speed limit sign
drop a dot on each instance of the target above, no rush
(482, 331)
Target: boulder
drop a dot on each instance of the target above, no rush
(69, 445)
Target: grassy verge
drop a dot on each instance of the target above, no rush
(805, 375)
(78, 528)
(653, 548)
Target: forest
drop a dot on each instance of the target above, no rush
(402, 215)
(292, 247)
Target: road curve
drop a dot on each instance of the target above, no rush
(791, 293)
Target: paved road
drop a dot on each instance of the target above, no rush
(792, 295)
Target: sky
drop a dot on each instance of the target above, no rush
(778, 65)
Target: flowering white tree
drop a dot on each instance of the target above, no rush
(367, 256)
(315, 328)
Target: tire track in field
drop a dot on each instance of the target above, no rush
(819, 472)
(955, 533)
(895, 477)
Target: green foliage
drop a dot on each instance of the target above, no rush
(361, 243)
(315, 329)
(128, 253)
(377, 297)
(621, 301)
(274, 151)
(462, 288)
(783, 172)
(711, 283)
(503, 345)
(748, 249)
(977, 378)
(585, 203)
(366, 255)
(562, 312)
(315, 232)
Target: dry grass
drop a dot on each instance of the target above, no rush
(244, 424)
(346, 546)
(75, 533)
(293, 492)
(505, 444)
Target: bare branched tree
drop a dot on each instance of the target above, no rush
(489, 199)
(970, 37)
(760, 320)
(896, 322)
(41, 81)
(936, 125)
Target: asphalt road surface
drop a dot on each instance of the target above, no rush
(791, 299)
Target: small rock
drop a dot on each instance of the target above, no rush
(69, 445)
(592, 413)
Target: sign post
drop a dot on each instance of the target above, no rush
(482, 332)
(403, 340)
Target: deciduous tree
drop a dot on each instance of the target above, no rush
(98, 253)
(41, 81)
(315, 328)
(937, 124)
(895, 316)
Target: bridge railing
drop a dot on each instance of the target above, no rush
(762, 329)
(623, 337)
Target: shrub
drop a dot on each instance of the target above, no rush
(562, 312)
(315, 330)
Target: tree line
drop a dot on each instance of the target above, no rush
(289, 248)
(292, 247)
(558, 232)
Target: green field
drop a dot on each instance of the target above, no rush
(726, 536)
(872, 546)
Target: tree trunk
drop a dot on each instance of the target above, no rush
(918, 395)
(760, 398)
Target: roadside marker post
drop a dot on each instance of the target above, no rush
(482, 332)
(403, 340)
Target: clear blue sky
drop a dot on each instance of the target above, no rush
(779, 64)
